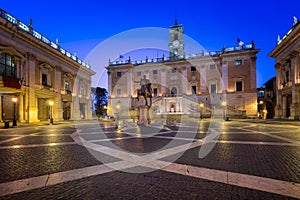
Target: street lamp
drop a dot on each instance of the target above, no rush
(51, 111)
(14, 100)
(201, 107)
(224, 104)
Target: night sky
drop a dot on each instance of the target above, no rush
(82, 25)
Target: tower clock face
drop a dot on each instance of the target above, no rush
(175, 43)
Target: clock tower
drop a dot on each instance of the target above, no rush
(176, 45)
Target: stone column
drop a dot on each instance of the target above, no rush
(278, 107)
(21, 108)
(129, 83)
(225, 75)
(58, 110)
(253, 72)
(163, 81)
(32, 100)
(75, 114)
(294, 106)
(203, 82)
(89, 102)
(184, 80)
(284, 106)
(1, 110)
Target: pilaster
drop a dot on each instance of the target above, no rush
(32, 100)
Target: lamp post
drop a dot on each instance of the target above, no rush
(51, 111)
(14, 100)
(201, 107)
(224, 104)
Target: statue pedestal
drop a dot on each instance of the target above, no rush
(144, 118)
(143, 110)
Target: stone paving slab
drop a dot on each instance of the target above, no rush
(295, 135)
(277, 162)
(248, 137)
(38, 140)
(153, 185)
(19, 163)
(99, 136)
(142, 145)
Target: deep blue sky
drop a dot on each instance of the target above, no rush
(81, 25)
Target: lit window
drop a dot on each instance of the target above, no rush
(238, 63)
(67, 86)
(239, 86)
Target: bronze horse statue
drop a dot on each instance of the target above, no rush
(146, 92)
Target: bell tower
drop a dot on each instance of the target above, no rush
(176, 45)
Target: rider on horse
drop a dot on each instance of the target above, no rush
(146, 90)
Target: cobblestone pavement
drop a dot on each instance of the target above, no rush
(238, 159)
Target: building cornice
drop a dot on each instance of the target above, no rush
(290, 37)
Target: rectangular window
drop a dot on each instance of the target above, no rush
(67, 86)
(138, 73)
(174, 70)
(7, 66)
(193, 69)
(238, 63)
(82, 90)
(155, 92)
(212, 67)
(194, 89)
(119, 92)
(239, 86)
(154, 71)
(44, 80)
(287, 76)
(119, 74)
(213, 88)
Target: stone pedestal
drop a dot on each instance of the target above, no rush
(144, 118)
(143, 112)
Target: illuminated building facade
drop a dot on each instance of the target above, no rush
(287, 55)
(43, 76)
(182, 82)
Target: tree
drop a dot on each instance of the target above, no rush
(99, 100)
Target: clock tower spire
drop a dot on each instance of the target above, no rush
(176, 45)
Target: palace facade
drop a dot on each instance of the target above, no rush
(43, 79)
(189, 84)
(287, 55)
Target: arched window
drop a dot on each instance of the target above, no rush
(173, 91)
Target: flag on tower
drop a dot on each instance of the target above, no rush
(241, 43)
